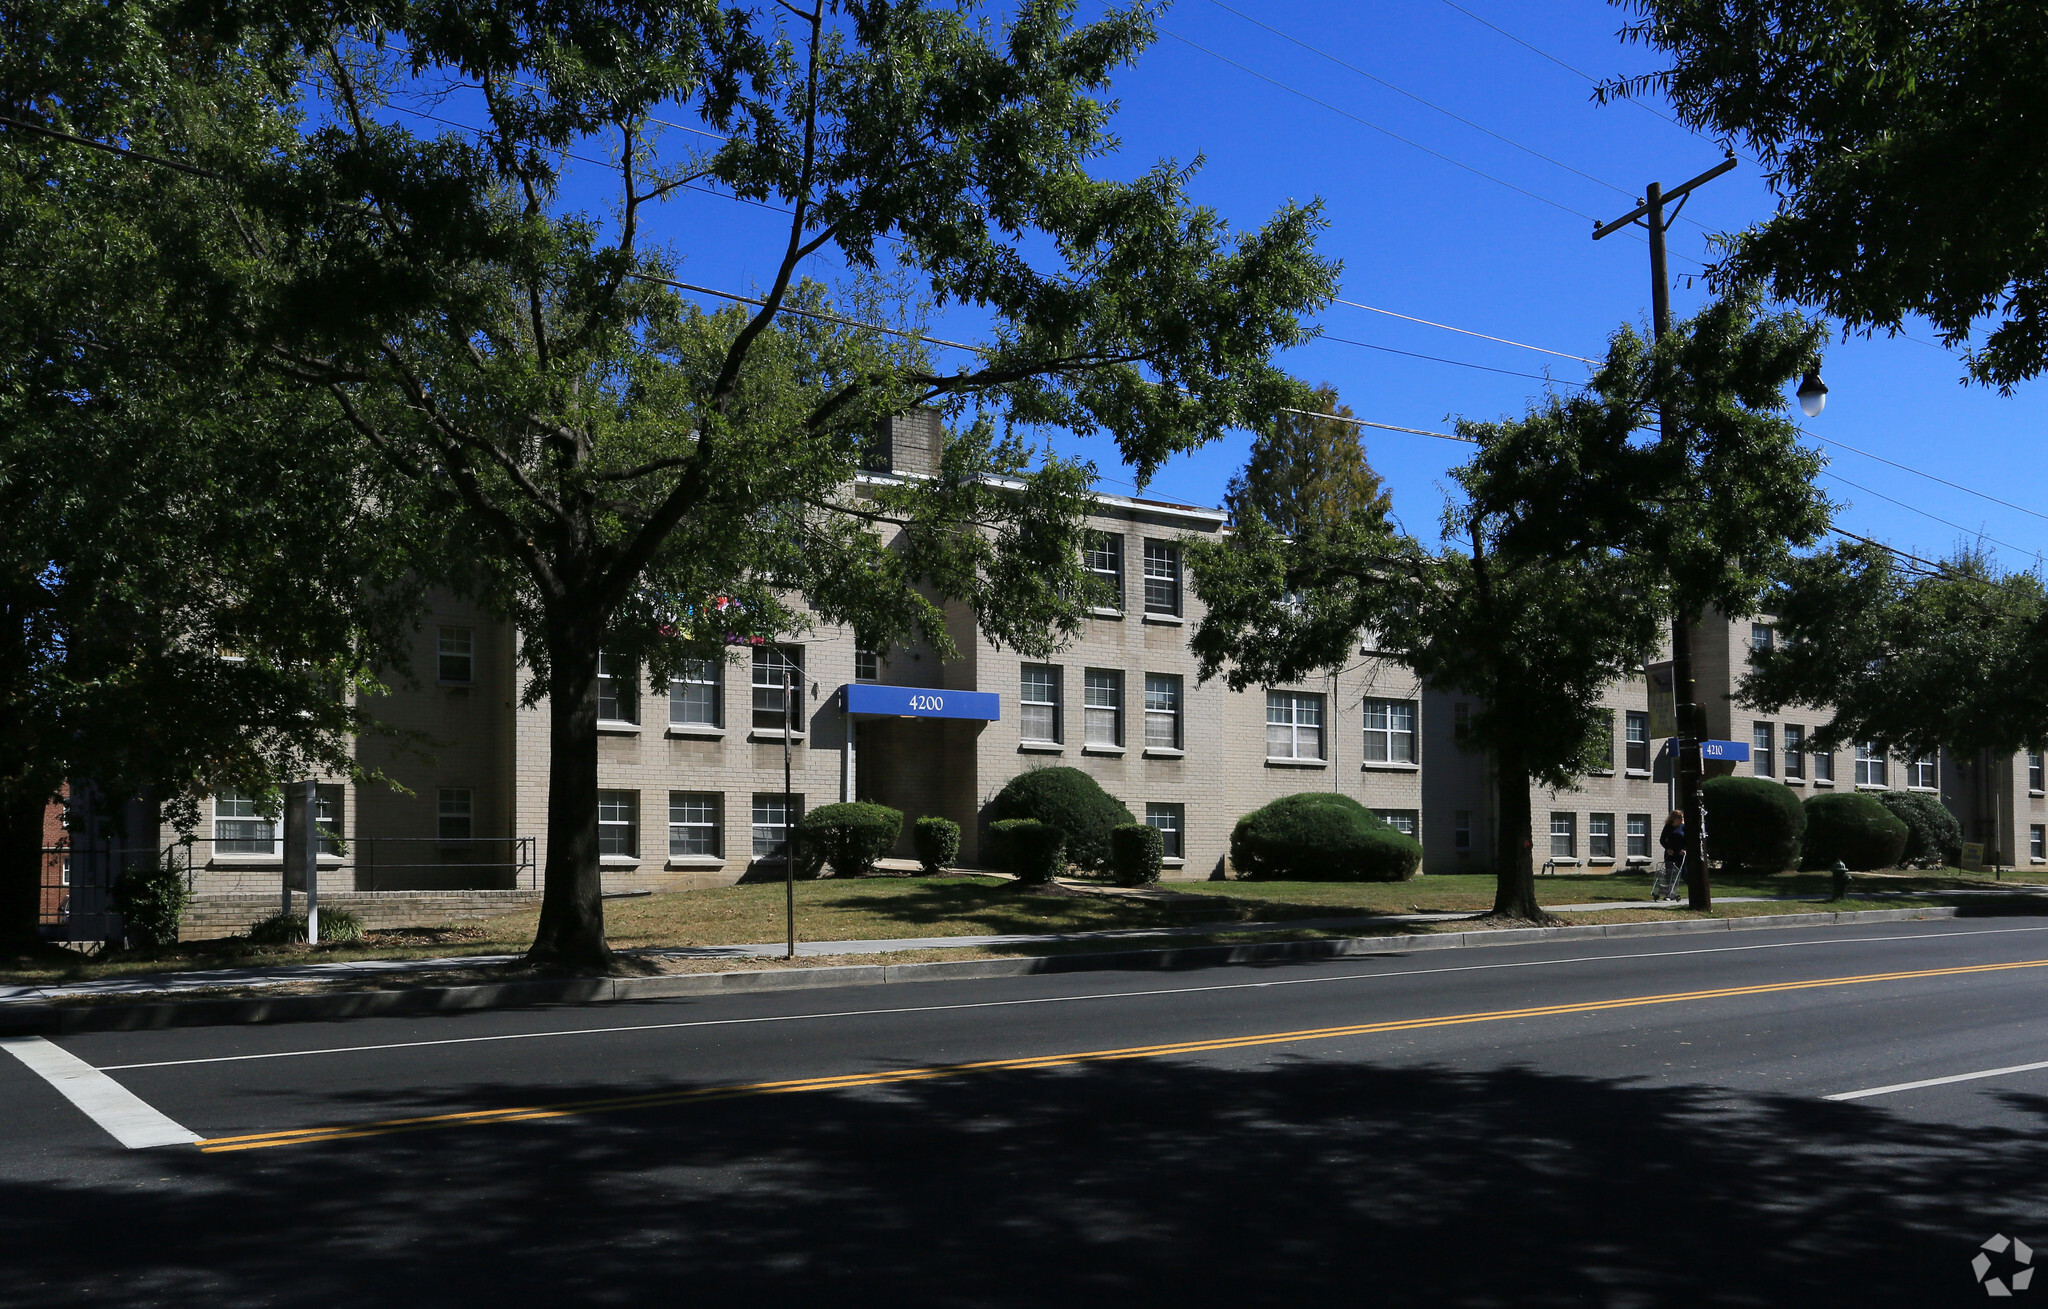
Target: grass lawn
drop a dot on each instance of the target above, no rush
(890, 907)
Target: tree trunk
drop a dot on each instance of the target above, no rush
(1514, 894)
(21, 868)
(571, 928)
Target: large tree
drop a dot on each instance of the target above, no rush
(1310, 468)
(196, 571)
(612, 455)
(1904, 139)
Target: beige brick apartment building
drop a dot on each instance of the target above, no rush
(691, 775)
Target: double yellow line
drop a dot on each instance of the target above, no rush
(531, 1113)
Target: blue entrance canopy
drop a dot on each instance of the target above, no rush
(920, 702)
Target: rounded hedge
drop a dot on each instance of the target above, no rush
(1754, 824)
(851, 837)
(1137, 851)
(286, 929)
(1031, 850)
(1070, 800)
(1854, 828)
(937, 841)
(1321, 836)
(151, 900)
(1933, 834)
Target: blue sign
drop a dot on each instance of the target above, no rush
(920, 702)
(1731, 751)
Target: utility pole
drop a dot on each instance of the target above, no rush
(1650, 214)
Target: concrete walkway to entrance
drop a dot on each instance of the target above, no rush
(369, 969)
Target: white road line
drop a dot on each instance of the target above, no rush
(1935, 1081)
(1052, 999)
(113, 1106)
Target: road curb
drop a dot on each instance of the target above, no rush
(57, 1017)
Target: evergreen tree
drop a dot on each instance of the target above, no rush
(1309, 469)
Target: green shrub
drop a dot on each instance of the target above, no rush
(1753, 824)
(1321, 836)
(1933, 835)
(1070, 800)
(937, 841)
(1031, 850)
(1136, 853)
(151, 899)
(851, 837)
(286, 929)
(1854, 828)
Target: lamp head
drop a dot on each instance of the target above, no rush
(1813, 394)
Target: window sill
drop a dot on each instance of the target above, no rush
(613, 727)
(618, 861)
(1642, 774)
(1925, 790)
(245, 860)
(1795, 781)
(2031, 791)
(696, 861)
(1872, 786)
(1164, 752)
(1172, 862)
(1563, 860)
(1823, 781)
(1273, 761)
(770, 734)
(1106, 613)
(1040, 747)
(1166, 620)
(1379, 766)
(1597, 862)
(702, 731)
(1102, 749)
(2036, 859)
(1639, 861)
(1600, 772)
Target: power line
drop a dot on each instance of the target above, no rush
(1828, 440)
(1385, 427)
(1466, 331)
(1398, 90)
(1578, 72)
(1435, 359)
(1985, 536)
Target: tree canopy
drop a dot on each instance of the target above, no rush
(1309, 469)
(1903, 140)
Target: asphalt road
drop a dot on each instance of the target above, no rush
(1637, 1122)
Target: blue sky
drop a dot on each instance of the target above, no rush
(1420, 235)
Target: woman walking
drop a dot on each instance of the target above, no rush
(1673, 841)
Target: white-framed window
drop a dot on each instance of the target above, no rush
(243, 826)
(2034, 772)
(1461, 830)
(1600, 751)
(455, 655)
(2037, 842)
(1871, 769)
(1294, 725)
(1636, 747)
(454, 813)
(1103, 557)
(1564, 836)
(1162, 577)
(1168, 818)
(1761, 637)
(774, 815)
(696, 694)
(1924, 771)
(1823, 765)
(1403, 821)
(1038, 701)
(616, 701)
(1600, 836)
(1639, 836)
(694, 819)
(867, 666)
(618, 823)
(1102, 706)
(1162, 711)
(771, 663)
(327, 817)
(1795, 750)
(1763, 751)
(1390, 732)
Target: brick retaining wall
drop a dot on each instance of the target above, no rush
(231, 915)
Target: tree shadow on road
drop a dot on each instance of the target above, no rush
(1297, 1180)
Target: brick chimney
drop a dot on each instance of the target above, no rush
(908, 443)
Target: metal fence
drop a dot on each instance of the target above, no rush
(78, 877)
(240, 865)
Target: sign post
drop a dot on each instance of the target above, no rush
(788, 811)
(302, 851)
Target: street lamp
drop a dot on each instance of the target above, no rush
(1813, 394)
